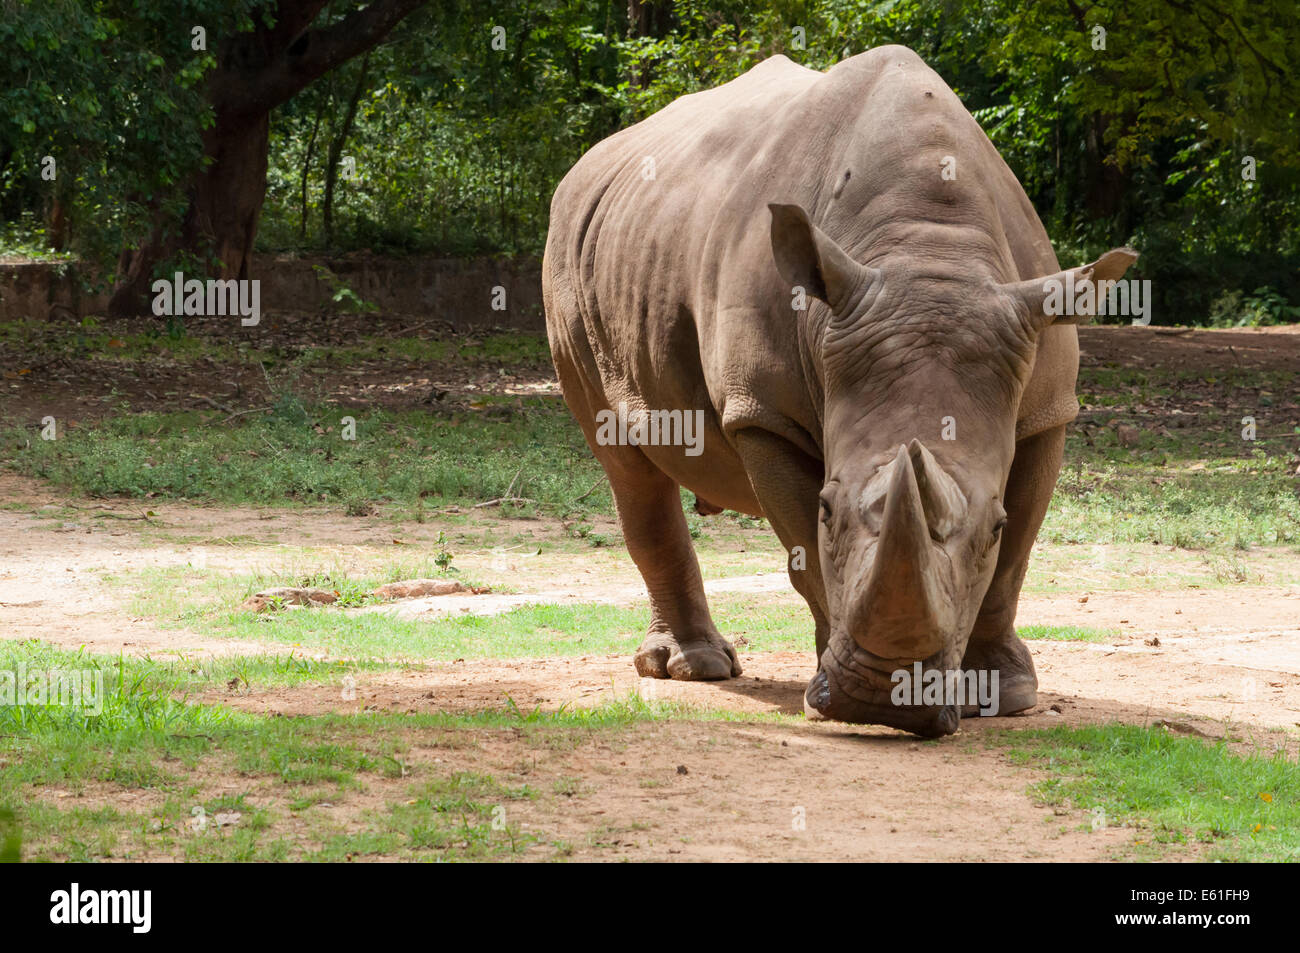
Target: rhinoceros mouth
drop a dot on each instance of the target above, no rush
(827, 695)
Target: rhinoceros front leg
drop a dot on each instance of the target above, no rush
(682, 642)
(787, 482)
(994, 644)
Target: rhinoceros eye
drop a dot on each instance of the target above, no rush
(997, 528)
(825, 513)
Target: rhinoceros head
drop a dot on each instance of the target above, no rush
(923, 369)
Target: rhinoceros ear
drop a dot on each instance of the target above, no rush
(1052, 298)
(806, 258)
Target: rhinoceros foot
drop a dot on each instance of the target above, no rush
(708, 657)
(1011, 659)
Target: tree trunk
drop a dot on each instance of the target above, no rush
(336, 151)
(1104, 183)
(306, 169)
(228, 197)
(221, 222)
(256, 72)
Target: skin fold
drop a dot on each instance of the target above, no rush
(841, 272)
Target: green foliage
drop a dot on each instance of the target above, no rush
(113, 93)
(1140, 142)
(457, 145)
(295, 453)
(342, 294)
(1232, 309)
(1147, 133)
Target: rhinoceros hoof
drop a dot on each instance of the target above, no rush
(1017, 682)
(1015, 695)
(707, 658)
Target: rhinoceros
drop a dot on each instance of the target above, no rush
(841, 277)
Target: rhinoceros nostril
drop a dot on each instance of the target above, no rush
(818, 692)
(948, 721)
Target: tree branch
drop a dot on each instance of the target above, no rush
(297, 58)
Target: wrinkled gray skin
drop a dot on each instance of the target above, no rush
(669, 282)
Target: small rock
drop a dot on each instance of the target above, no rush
(288, 596)
(415, 588)
(681, 769)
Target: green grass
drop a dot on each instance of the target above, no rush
(1066, 633)
(1231, 504)
(279, 774)
(208, 602)
(1172, 791)
(529, 631)
(189, 594)
(93, 338)
(296, 454)
(1199, 486)
(514, 349)
(466, 814)
(180, 676)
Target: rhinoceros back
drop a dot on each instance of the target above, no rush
(632, 247)
(659, 283)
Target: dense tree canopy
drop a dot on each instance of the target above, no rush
(1169, 125)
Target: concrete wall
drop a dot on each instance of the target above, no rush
(45, 291)
(459, 290)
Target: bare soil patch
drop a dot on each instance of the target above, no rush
(85, 387)
(1207, 350)
(48, 375)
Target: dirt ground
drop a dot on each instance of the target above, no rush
(1221, 661)
(1214, 662)
(46, 374)
(81, 389)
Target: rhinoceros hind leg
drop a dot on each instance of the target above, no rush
(994, 644)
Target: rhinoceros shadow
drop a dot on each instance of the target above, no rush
(784, 695)
(1053, 710)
